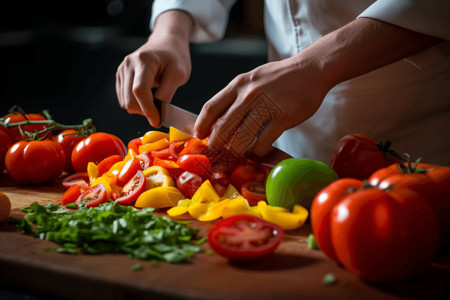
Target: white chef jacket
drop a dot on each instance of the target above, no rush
(407, 102)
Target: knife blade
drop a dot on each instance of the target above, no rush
(172, 115)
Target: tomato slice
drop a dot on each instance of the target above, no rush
(128, 171)
(194, 146)
(71, 195)
(176, 147)
(144, 160)
(107, 163)
(195, 163)
(165, 163)
(80, 179)
(244, 237)
(188, 183)
(254, 192)
(162, 154)
(94, 196)
(132, 189)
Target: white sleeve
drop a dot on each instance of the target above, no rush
(430, 17)
(210, 16)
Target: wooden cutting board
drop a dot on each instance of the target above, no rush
(292, 272)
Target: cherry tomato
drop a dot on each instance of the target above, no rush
(94, 196)
(195, 163)
(80, 179)
(358, 156)
(254, 192)
(106, 164)
(176, 147)
(194, 146)
(128, 171)
(14, 132)
(144, 160)
(188, 183)
(68, 140)
(134, 144)
(95, 148)
(71, 195)
(373, 232)
(219, 181)
(5, 143)
(248, 173)
(132, 189)
(162, 154)
(244, 237)
(35, 162)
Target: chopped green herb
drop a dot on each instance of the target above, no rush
(71, 205)
(136, 267)
(201, 241)
(112, 228)
(329, 279)
(312, 243)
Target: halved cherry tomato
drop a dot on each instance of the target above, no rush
(71, 195)
(188, 183)
(106, 164)
(195, 163)
(244, 237)
(68, 139)
(132, 189)
(144, 160)
(254, 192)
(194, 146)
(134, 144)
(80, 179)
(94, 196)
(176, 147)
(128, 171)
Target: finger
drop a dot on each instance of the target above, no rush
(119, 86)
(268, 135)
(169, 82)
(129, 100)
(212, 111)
(142, 85)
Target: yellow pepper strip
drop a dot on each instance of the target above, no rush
(180, 209)
(282, 217)
(157, 176)
(206, 212)
(205, 193)
(159, 197)
(239, 206)
(131, 153)
(230, 193)
(92, 171)
(115, 169)
(177, 135)
(105, 183)
(158, 145)
(153, 136)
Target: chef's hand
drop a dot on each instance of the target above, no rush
(264, 103)
(163, 62)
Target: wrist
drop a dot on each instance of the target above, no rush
(175, 23)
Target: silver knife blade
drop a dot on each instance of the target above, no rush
(175, 116)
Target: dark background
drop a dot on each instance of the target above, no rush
(63, 55)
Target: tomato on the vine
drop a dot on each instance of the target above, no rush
(95, 148)
(35, 162)
(244, 237)
(5, 143)
(14, 132)
(373, 232)
(68, 140)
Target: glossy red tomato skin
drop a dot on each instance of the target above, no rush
(106, 164)
(35, 162)
(95, 148)
(71, 195)
(93, 197)
(195, 163)
(128, 171)
(14, 132)
(134, 144)
(132, 189)
(358, 156)
(5, 143)
(254, 192)
(68, 140)
(373, 232)
(188, 183)
(217, 238)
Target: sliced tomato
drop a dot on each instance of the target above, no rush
(176, 147)
(194, 146)
(254, 192)
(71, 195)
(144, 160)
(107, 163)
(165, 163)
(162, 154)
(134, 144)
(80, 179)
(188, 183)
(244, 237)
(94, 196)
(195, 163)
(132, 189)
(128, 171)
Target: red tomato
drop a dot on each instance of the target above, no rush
(95, 148)
(144, 161)
(188, 183)
(254, 192)
(80, 179)
(165, 163)
(35, 162)
(132, 189)
(68, 140)
(219, 181)
(373, 232)
(162, 154)
(71, 195)
(134, 144)
(128, 171)
(224, 160)
(244, 237)
(195, 163)
(247, 173)
(106, 164)
(358, 156)
(194, 146)
(14, 132)
(94, 196)
(5, 143)
(176, 147)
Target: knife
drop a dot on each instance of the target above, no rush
(184, 120)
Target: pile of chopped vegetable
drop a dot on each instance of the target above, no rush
(112, 228)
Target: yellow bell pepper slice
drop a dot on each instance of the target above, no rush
(206, 212)
(158, 145)
(282, 217)
(205, 193)
(115, 169)
(178, 135)
(131, 153)
(153, 136)
(159, 197)
(106, 183)
(230, 193)
(157, 176)
(239, 206)
(92, 171)
(180, 209)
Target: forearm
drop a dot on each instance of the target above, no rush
(173, 23)
(362, 46)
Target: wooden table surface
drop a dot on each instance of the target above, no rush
(292, 272)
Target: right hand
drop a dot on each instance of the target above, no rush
(163, 62)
